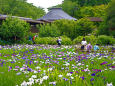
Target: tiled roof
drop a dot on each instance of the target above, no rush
(56, 14)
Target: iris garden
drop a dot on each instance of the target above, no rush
(39, 65)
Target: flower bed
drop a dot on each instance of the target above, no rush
(37, 65)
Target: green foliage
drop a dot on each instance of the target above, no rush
(84, 27)
(53, 40)
(28, 42)
(70, 7)
(49, 30)
(103, 29)
(73, 29)
(46, 40)
(93, 11)
(111, 15)
(66, 40)
(92, 39)
(108, 26)
(14, 28)
(66, 27)
(90, 2)
(20, 8)
(78, 40)
(3, 42)
(104, 40)
(85, 8)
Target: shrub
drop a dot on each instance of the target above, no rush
(66, 40)
(73, 29)
(46, 40)
(29, 42)
(14, 28)
(53, 40)
(78, 40)
(84, 27)
(67, 27)
(104, 40)
(3, 42)
(103, 29)
(92, 39)
(49, 30)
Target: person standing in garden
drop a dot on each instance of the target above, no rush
(89, 47)
(34, 38)
(30, 38)
(96, 47)
(59, 41)
(83, 44)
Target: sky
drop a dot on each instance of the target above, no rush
(45, 3)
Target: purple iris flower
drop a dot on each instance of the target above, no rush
(71, 72)
(91, 62)
(82, 78)
(76, 71)
(17, 67)
(9, 68)
(12, 62)
(93, 74)
(30, 62)
(103, 63)
(113, 66)
(92, 79)
(23, 57)
(109, 64)
(70, 59)
(112, 58)
(64, 58)
(2, 63)
(70, 81)
(29, 69)
(97, 70)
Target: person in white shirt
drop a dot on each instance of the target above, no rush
(83, 44)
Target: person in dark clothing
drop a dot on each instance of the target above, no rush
(59, 41)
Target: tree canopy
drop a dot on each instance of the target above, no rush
(14, 28)
(20, 8)
(84, 8)
(111, 15)
(90, 2)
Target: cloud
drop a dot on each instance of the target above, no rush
(45, 3)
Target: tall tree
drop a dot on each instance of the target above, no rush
(90, 2)
(20, 8)
(111, 15)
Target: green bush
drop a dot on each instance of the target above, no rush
(53, 40)
(49, 30)
(103, 29)
(66, 40)
(84, 27)
(46, 40)
(29, 42)
(78, 40)
(104, 40)
(73, 29)
(3, 42)
(92, 39)
(13, 28)
(67, 27)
